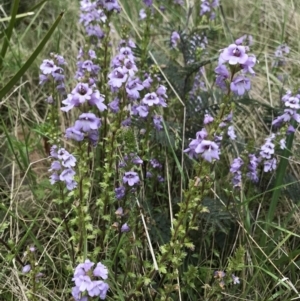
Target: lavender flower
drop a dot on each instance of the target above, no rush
(86, 282)
(252, 174)
(235, 170)
(61, 168)
(131, 178)
(125, 228)
(240, 85)
(26, 268)
(87, 122)
(175, 38)
(120, 192)
(233, 54)
(235, 279)
(209, 150)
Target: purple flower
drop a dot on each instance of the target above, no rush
(155, 164)
(222, 74)
(110, 5)
(85, 286)
(250, 63)
(114, 105)
(126, 122)
(235, 169)
(267, 150)
(151, 99)
(175, 37)
(120, 192)
(100, 271)
(97, 100)
(293, 103)
(142, 14)
(233, 54)
(47, 67)
(117, 77)
(69, 161)
(55, 165)
(26, 268)
(148, 2)
(54, 178)
(236, 165)
(67, 175)
(252, 174)
(270, 165)
(142, 111)
(231, 132)
(131, 178)
(219, 274)
(125, 228)
(87, 122)
(208, 119)
(235, 279)
(133, 87)
(157, 121)
(73, 133)
(240, 85)
(209, 150)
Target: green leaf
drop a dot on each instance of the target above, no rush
(31, 59)
(14, 11)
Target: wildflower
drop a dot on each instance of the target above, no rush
(131, 178)
(87, 122)
(235, 170)
(73, 133)
(100, 271)
(235, 279)
(119, 212)
(233, 54)
(209, 150)
(175, 37)
(231, 132)
(240, 85)
(114, 105)
(85, 285)
(155, 164)
(120, 192)
(219, 274)
(26, 269)
(150, 99)
(117, 77)
(208, 119)
(157, 121)
(125, 228)
(252, 174)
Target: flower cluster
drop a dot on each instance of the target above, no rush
(252, 173)
(83, 95)
(220, 276)
(235, 169)
(267, 152)
(120, 215)
(52, 71)
(93, 13)
(88, 280)
(240, 62)
(175, 38)
(62, 168)
(207, 6)
(280, 53)
(124, 68)
(292, 105)
(208, 150)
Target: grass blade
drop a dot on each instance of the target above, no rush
(31, 59)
